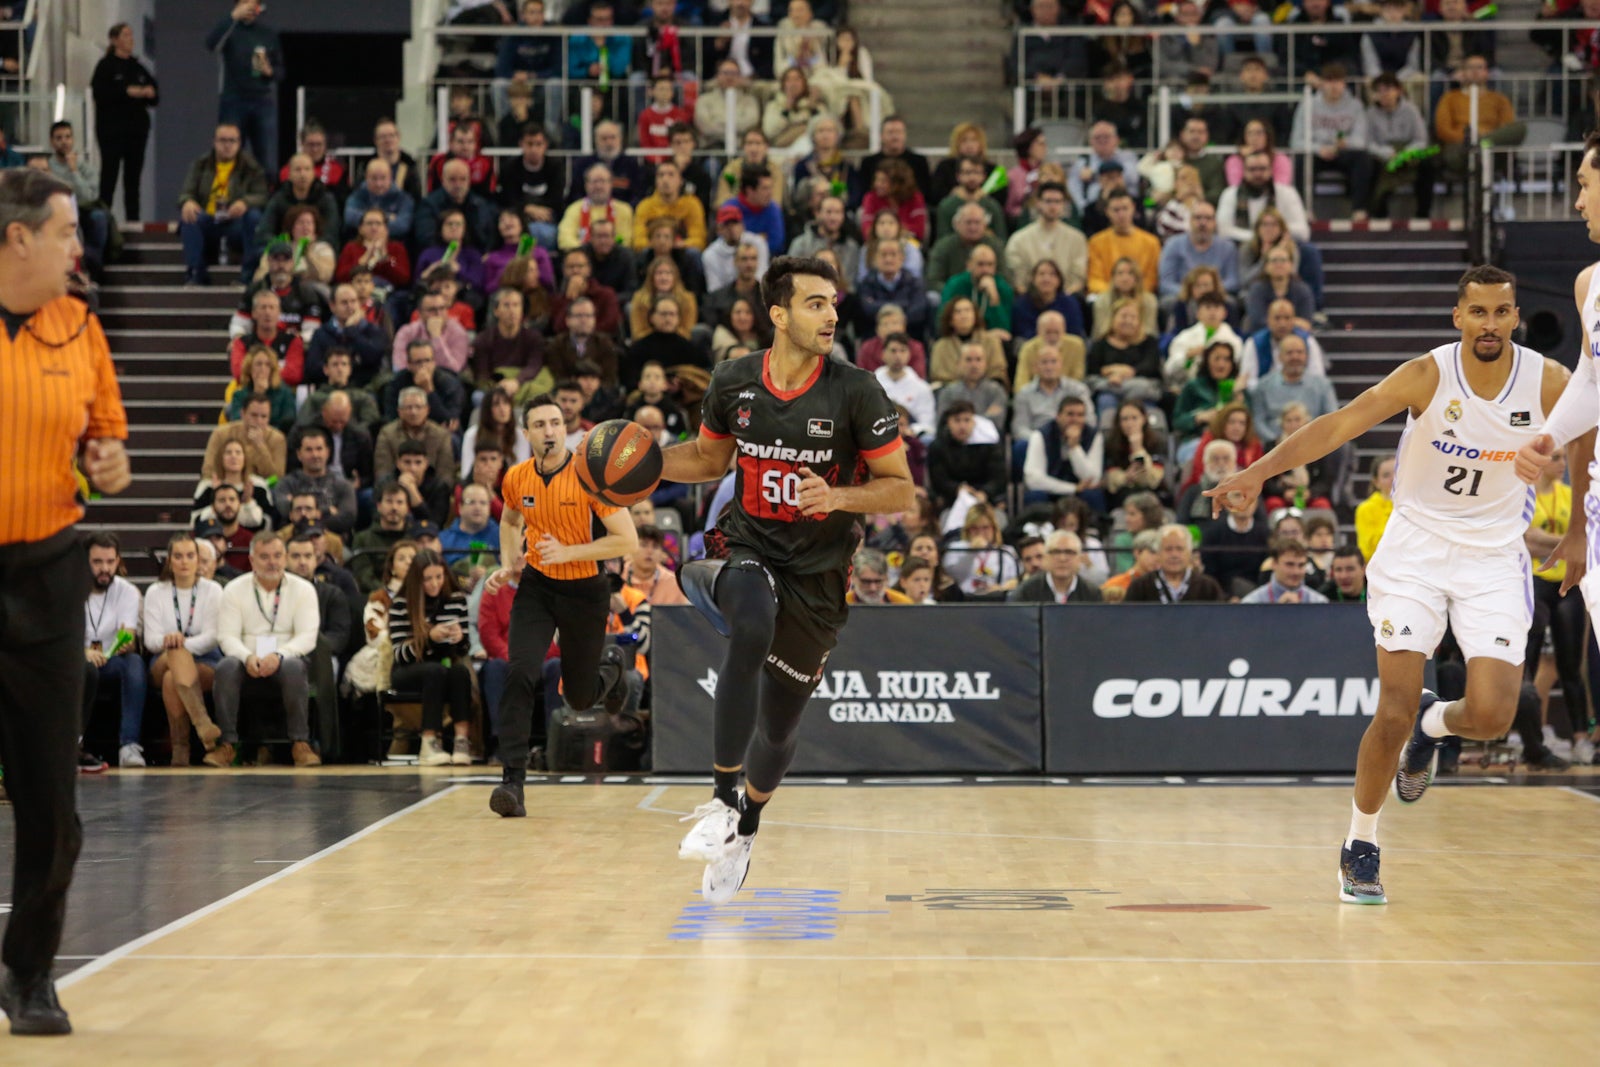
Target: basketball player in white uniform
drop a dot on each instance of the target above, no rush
(1572, 423)
(1453, 550)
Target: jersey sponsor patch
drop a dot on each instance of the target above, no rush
(819, 428)
(1521, 418)
(529, 502)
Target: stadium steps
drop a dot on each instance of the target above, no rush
(169, 346)
(942, 61)
(1389, 293)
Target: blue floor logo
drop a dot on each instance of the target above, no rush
(765, 915)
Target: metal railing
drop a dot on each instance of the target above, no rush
(1563, 28)
(34, 110)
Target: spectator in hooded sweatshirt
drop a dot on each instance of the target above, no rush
(1335, 130)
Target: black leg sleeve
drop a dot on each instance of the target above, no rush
(746, 599)
(777, 733)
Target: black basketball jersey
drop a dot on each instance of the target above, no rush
(833, 424)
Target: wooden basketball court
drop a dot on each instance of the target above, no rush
(883, 925)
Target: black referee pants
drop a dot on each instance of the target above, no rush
(43, 585)
(578, 608)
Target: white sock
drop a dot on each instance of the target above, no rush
(1433, 719)
(1363, 827)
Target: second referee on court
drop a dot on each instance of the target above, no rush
(561, 586)
(58, 402)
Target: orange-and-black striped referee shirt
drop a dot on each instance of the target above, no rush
(555, 505)
(57, 389)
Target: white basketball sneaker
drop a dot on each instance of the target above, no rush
(721, 882)
(713, 834)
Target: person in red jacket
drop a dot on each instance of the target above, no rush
(657, 120)
(330, 172)
(492, 650)
(464, 145)
(373, 249)
(267, 328)
(895, 189)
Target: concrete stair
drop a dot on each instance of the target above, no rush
(169, 346)
(943, 61)
(1389, 296)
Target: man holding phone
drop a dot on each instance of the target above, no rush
(252, 63)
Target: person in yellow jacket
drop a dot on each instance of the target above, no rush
(1562, 616)
(1497, 121)
(1372, 514)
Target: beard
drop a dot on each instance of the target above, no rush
(1251, 190)
(810, 344)
(1491, 355)
(102, 582)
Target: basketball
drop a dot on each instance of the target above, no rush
(619, 463)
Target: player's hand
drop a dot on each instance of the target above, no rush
(496, 581)
(1238, 493)
(1572, 549)
(268, 665)
(553, 551)
(816, 496)
(1534, 456)
(105, 464)
(252, 666)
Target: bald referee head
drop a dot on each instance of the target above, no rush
(40, 249)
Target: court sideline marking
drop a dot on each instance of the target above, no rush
(100, 963)
(697, 957)
(648, 804)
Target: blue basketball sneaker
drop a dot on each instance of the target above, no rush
(1420, 760)
(1358, 874)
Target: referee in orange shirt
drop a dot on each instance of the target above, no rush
(58, 401)
(561, 587)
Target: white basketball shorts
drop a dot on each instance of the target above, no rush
(1417, 582)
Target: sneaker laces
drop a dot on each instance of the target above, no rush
(713, 806)
(1364, 867)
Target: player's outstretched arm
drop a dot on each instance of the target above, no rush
(1410, 385)
(705, 459)
(890, 489)
(1574, 407)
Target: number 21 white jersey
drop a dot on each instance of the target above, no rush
(1455, 477)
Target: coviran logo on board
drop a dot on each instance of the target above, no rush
(1237, 696)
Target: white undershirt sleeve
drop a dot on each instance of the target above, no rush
(1578, 410)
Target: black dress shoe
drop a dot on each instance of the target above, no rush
(32, 1006)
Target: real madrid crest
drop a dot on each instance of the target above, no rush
(1387, 630)
(1452, 411)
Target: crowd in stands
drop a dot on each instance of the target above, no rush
(1078, 350)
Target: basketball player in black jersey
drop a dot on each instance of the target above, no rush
(815, 444)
